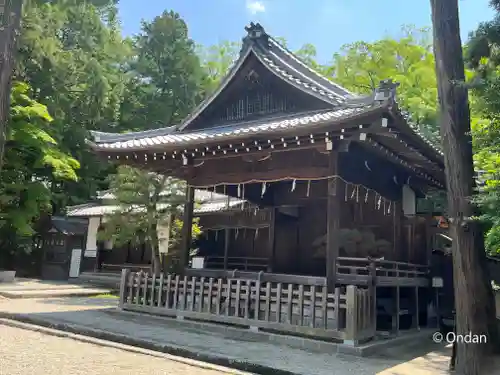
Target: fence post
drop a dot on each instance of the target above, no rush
(351, 315)
(123, 287)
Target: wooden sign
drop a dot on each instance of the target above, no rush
(437, 282)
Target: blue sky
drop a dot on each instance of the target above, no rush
(327, 24)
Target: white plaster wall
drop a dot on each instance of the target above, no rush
(409, 201)
(91, 247)
(163, 237)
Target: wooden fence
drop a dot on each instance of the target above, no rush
(306, 309)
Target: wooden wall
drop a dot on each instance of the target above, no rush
(414, 247)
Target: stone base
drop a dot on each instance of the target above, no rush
(7, 276)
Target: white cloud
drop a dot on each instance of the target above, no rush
(255, 6)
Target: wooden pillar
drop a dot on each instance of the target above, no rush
(270, 243)
(227, 238)
(396, 232)
(395, 312)
(416, 318)
(333, 223)
(187, 228)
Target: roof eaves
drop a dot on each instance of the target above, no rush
(104, 137)
(429, 146)
(225, 81)
(313, 120)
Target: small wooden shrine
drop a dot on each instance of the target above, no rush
(337, 173)
(61, 241)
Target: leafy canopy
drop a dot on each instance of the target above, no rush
(408, 60)
(34, 163)
(148, 202)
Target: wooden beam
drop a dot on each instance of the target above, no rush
(187, 227)
(333, 223)
(207, 179)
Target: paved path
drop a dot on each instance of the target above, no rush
(31, 288)
(34, 353)
(99, 314)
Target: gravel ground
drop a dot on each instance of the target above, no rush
(24, 352)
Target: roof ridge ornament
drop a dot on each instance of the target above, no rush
(386, 91)
(255, 33)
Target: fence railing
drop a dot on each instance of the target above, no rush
(306, 309)
(242, 263)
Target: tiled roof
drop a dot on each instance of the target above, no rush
(300, 66)
(276, 59)
(282, 63)
(342, 104)
(69, 226)
(266, 126)
(94, 209)
(201, 196)
(292, 70)
(117, 137)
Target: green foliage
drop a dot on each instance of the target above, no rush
(307, 53)
(360, 67)
(482, 54)
(77, 66)
(147, 201)
(165, 76)
(216, 60)
(72, 55)
(33, 164)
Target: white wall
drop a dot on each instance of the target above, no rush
(409, 201)
(91, 247)
(163, 237)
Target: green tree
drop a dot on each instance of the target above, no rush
(409, 60)
(166, 75)
(73, 56)
(148, 202)
(165, 82)
(33, 164)
(482, 55)
(216, 61)
(308, 54)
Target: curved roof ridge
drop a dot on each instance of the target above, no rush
(309, 87)
(304, 65)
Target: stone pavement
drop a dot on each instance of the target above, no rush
(32, 352)
(32, 288)
(98, 318)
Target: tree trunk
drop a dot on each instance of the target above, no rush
(155, 250)
(10, 18)
(474, 301)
